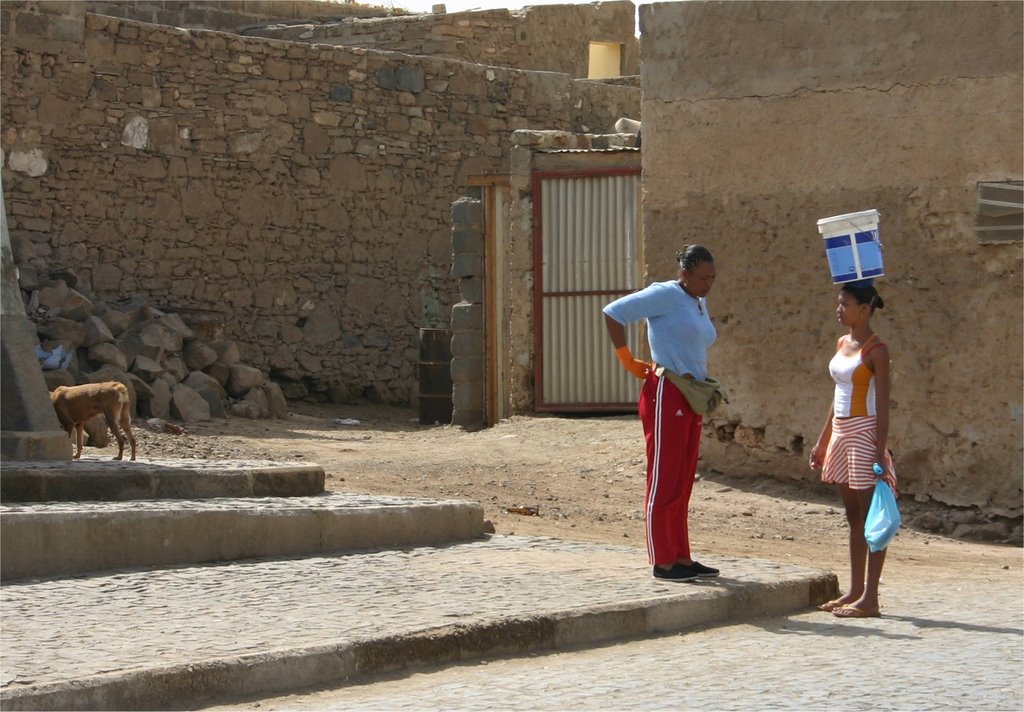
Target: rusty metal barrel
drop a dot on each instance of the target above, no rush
(435, 376)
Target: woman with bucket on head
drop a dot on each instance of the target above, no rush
(675, 393)
(851, 450)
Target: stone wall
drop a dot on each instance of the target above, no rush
(221, 15)
(302, 192)
(824, 109)
(552, 38)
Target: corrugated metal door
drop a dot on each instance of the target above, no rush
(586, 253)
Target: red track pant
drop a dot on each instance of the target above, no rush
(672, 431)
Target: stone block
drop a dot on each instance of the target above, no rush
(467, 212)
(465, 395)
(341, 94)
(467, 240)
(67, 29)
(467, 265)
(468, 344)
(471, 289)
(467, 370)
(467, 316)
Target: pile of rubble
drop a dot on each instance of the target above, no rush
(170, 372)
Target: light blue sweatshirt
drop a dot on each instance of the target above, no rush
(679, 329)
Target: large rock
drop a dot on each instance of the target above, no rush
(68, 332)
(135, 310)
(227, 352)
(146, 368)
(254, 406)
(52, 296)
(159, 405)
(141, 342)
(187, 405)
(154, 332)
(117, 321)
(96, 331)
(97, 432)
(215, 402)
(76, 306)
(277, 405)
(107, 353)
(176, 367)
(58, 377)
(200, 381)
(175, 324)
(143, 390)
(243, 379)
(211, 391)
(198, 355)
(220, 371)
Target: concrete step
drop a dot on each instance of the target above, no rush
(55, 539)
(194, 635)
(120, 480)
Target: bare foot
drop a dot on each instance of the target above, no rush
(844, 600)
(854, 612)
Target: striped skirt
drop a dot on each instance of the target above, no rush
(851, 452)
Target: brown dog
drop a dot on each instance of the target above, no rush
(77, 404)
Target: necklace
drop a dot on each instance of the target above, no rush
(700, 307)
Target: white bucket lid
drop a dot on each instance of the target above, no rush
(862, 219)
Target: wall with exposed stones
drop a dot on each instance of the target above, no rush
(221, 15)
(552, 38)
(301, 193)
(830, 108)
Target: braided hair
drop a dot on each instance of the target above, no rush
(693, 255)
(864, 294)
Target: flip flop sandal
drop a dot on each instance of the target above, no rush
(851, 612)
(829, 606)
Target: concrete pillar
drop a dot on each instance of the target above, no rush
(468, 386)
(29, 429)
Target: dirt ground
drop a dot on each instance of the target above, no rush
(583, 476)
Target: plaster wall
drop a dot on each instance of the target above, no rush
(302, 192)
(761, 118)
(553, 38)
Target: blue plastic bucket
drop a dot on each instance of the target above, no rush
(852, 246)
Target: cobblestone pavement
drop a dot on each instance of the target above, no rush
(934, 649)
(328, 500)
(65, 629)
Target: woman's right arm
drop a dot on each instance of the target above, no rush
(617, 334)
(818, 453)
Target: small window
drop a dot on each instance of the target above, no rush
(1000, 215)
(605, 60)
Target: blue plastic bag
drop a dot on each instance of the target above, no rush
(883, 520)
